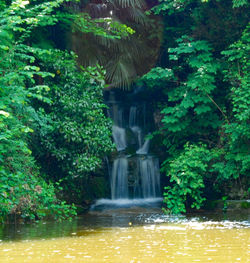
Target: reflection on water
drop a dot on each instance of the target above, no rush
(129, 236)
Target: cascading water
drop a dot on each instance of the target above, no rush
(119, 181)
(145, 148)
(119, 136)
(132, 116)
(150, 176)
(133, 175)
(132, 125)
(134, 172)
(138, 132)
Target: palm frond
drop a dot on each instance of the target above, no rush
(137, 15)
(98, 10)
(121, 71)
(123, 59)
(128, 3)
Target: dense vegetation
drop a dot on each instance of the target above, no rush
(51, 112)
(53, 131)
(204, 76)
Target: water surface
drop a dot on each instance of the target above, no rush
(130, 235)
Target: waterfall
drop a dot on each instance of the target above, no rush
(136, 175)
(150, 177)
(145, 147)
(138, 132)
(132, 116)
(119, 136)
(116, 114)
(119, 182)
(133, 124)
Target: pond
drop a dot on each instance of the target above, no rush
(130, 235)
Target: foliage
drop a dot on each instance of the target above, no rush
(75, 131)
(51, 109)
(157, 76)
(172, 6)
(238, 130)
(17, 71)
(205, 84)
(30, 85)
(186, 172)
(30, 197)
(191, 98)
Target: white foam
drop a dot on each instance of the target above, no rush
(118, 202)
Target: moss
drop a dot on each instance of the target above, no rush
(81, 209)
(99, 187)
(211, 204)
(245, 205)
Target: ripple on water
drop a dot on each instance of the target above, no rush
(154, 238)
(195, 222)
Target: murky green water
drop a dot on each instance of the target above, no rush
(130, 236)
